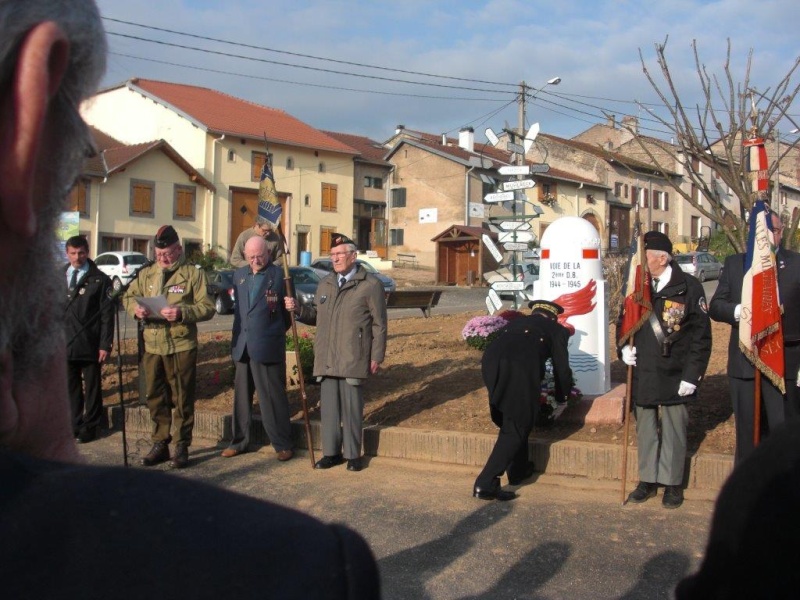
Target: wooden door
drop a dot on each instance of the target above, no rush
(378, 238)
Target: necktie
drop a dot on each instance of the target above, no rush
(655, 284)
(342, 281)
(73, 282)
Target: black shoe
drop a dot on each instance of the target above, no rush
(644, 491)
(528, 472)
(158, 453)
(354, 464)
(180, 459)
(326, 462)
(86, 436)
(495, 493)
(673, 496)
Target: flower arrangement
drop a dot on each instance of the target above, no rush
(548, 199)
(547, 399)
(306, 344)
(480, 331)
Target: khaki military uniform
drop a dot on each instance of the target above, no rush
(170, 358)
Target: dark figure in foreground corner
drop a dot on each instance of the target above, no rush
(72, 531)
(752, 545)
(725, 307)
(513, 368)
(670, 355)
(89, 327)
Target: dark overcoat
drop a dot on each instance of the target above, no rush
(513, 367)
(89, 316)
(682, 312)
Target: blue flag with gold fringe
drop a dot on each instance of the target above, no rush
(269, 207)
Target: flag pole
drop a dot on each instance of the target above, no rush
(287, 278)
(757, 409)
(626, 416)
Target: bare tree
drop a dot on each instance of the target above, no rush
(711, 134)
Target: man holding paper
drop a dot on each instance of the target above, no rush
(170, 342)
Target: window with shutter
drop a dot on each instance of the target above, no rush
(185, 197)
(142, 198)
(329, 197)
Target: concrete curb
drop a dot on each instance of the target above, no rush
(596, 462)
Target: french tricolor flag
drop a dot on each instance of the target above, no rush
(760, 334)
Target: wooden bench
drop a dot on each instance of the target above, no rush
(406, 258)
(425, 300)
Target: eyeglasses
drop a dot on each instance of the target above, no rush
(167, 251)
(335, 255)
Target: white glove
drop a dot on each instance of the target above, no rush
(629, 355)
(737, 312)
(798, 377)
(686, 388)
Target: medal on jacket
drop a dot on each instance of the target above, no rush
(672, 315)
(272, 301)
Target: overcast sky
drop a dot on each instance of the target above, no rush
(356, 66)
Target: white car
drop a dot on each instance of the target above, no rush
(120, 266)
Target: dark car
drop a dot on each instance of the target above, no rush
(222, 289)
(325, 265)
(305, 281)
(700, 264)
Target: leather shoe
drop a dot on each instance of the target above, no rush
(86, 436)
(354, 464)
(326, 462)
(230, 453)
(530, 469)
(158, 453)
(285, 455)
(497, 493)
(673, 496)
(644, 491)
(180, 459)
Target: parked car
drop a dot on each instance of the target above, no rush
(700, 264)
(222, 289)
(325, 266)
(305, 281)
(120, 266)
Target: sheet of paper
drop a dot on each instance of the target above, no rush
(154, 305)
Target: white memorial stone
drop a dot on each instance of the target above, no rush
(571, 274)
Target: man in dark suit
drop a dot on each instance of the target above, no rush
(73, 531)
(258, 348)
(513, 369)
(89, 326)
(726, 307)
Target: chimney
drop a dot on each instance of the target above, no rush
(399, 129)
(632, 123)
(466, 139)
(612, 121)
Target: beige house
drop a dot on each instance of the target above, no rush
(226, 140)
(439, 181)
(126, 192)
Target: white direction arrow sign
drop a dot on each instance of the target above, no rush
(515, 236)
(530, 136)
(512, 147)
(492, 136)
(508, 286)
(490, 306)
(487, 241)
(514, 170)
(522, 184)
(538, 168)
(513, 246)
(514, 225)
(494, 299)
(499, 197)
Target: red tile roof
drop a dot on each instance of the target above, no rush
(370, 150)
(222, 113)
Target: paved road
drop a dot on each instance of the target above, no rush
(559, 539)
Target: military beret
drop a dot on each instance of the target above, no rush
(655, 240)
(340, 239)
(165, 237)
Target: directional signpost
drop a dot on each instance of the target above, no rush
(514, 225)
(508, 286)
(493, 301)
(538, 168)
(519, 184)
(499, 197)
(516, 246)
(531, 136)
(512, 147)
(514, 170)
(487, 241)
(515, 236)
(492, 136)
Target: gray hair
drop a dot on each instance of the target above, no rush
(264, 222)
(662, 253)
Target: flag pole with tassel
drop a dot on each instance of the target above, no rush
(269, 207)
